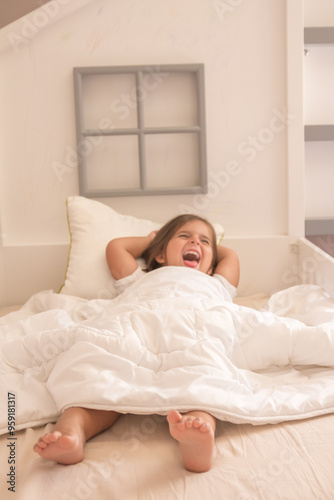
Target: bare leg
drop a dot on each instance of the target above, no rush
(65, 444)
(195, 432)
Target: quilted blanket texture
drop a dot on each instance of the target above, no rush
(170, 341)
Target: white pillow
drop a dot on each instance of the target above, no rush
(92, 225)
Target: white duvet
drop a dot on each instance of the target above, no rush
(170, 341)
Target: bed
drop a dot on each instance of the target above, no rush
(288, 458)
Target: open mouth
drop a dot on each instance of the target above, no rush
(191, 258)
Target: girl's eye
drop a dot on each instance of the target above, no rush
(206, 242)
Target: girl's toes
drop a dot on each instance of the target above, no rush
(174, 417)
(204, 427)
(197, 423)
(187, 423)
(181, 425)
(47, 438)
(54, 436)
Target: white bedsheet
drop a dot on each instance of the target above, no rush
(170, 341)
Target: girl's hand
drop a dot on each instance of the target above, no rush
(152, 235)
(228, 264)
(122, 253)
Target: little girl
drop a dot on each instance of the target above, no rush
(186, 240)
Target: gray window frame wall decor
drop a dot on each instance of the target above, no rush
(141, 72)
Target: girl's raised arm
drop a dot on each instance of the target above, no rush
(228, 265)
(122, 253)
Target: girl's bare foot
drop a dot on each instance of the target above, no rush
(76, 425)
(195, 432)
(63, 448)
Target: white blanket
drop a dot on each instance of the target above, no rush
(170, 341)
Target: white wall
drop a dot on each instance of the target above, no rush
(244, 54)
(318, 12)
(243, 46)
(319, 182)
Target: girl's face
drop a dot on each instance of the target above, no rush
(191, 246)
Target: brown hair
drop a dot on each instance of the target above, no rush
(165, 234)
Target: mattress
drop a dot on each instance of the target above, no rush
(138, 460)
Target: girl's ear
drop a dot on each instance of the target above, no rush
(161, 259)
